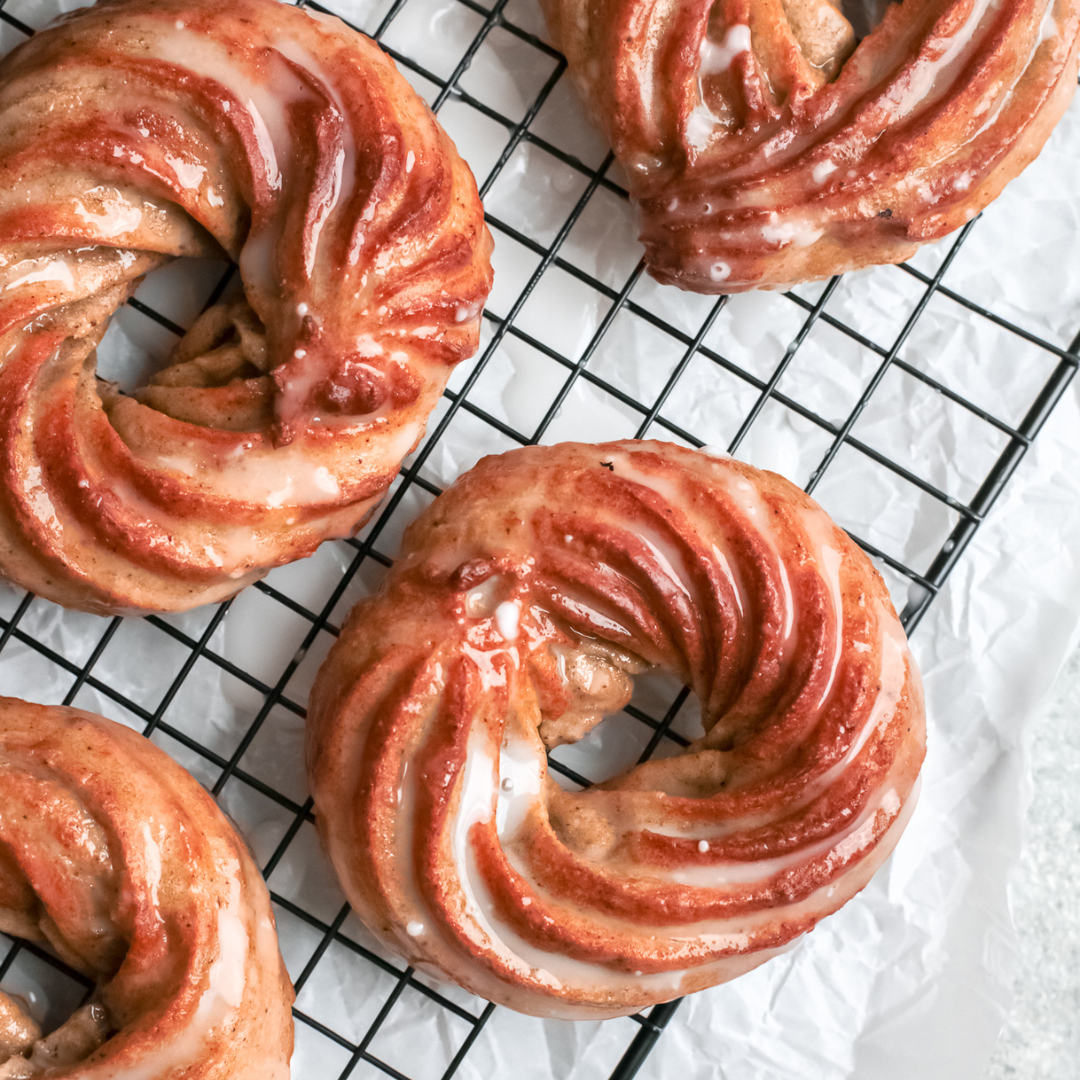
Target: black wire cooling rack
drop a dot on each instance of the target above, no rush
(571, 303)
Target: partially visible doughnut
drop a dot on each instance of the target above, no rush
(764, 147)
(523, 602)
(141, 130)
(116, 858)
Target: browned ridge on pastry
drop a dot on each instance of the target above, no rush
(764, 147)
(524, 600)
(115, 857)
(141, 130)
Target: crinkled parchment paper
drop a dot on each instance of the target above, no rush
(911, 978)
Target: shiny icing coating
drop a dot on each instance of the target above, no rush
(763, 146)
(525, 599)
(142, 130)
(112, 854)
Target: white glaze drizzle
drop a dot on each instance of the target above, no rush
(507, 617)
(717, 58)
(221, 997)
(831, 851)
(790, 230)
(522, 767)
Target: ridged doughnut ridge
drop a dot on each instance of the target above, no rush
(524, 600)
(115, 856)
(763, 147)
(141, 130)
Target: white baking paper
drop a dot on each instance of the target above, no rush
(911, 978)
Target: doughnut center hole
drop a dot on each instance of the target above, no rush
(41, 988)
(825, 31)
(616, 743)
(189, 346)
(46, 1017)
(865, 16)
(143, 333)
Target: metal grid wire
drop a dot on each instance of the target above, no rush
(512, 131)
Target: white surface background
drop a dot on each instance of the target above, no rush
(914, 977)
(1041, 1038)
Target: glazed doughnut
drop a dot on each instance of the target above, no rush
(764, 147)
(115, 857)
(524, 600)
(141, 130)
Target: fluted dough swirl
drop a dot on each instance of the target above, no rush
(112, 854)
(763, 147)
(142, 130)
(524, 600)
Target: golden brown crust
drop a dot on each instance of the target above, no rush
(763, 148)
(141, 130)
(130, 872)
(524, 600)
